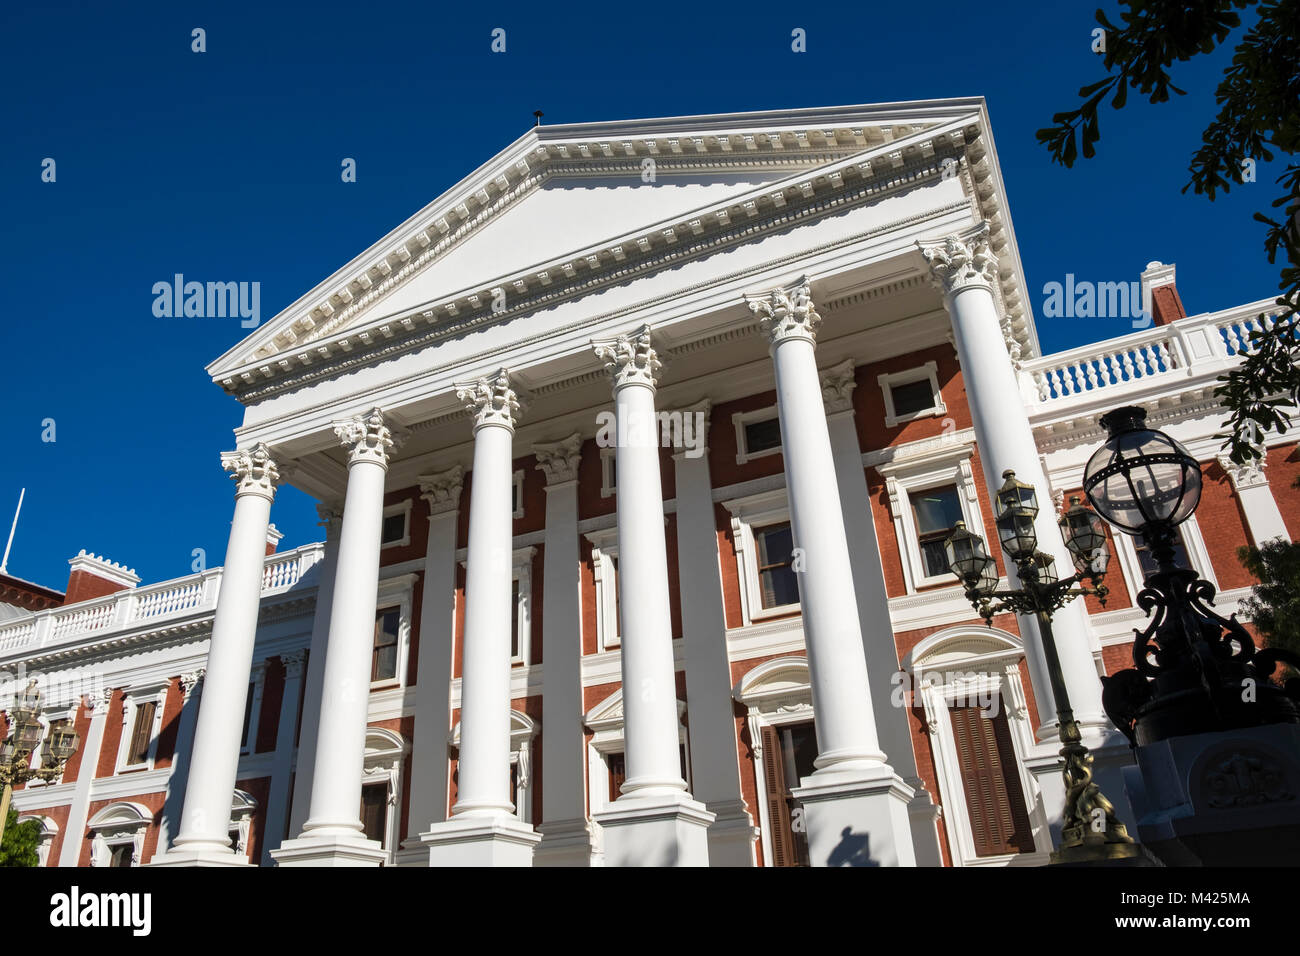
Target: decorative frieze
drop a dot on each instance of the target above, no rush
(630, 359)
(253, 470)
(787, 313)
(559, 460)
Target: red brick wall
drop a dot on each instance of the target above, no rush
(83, 586)
(1223, 526)
(170, 727)
(1283, 470)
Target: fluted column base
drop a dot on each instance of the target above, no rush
(330, 850)
(857, 817)
(662, 829)
(564, 843)
(481, 841)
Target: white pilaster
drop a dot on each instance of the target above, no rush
(79, 810)
(714, 754)
(1263, 517)
(331, 516)
(878, 643)
(855, 806)
(484, 830)
(180, 770)
(429, 759)
(655, 822)
(204, 839)
(333, 834)
(566, 834)
(277, 801)
(965, 268)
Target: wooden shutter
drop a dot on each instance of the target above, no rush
(144, 714)
(778, 805)
(995, 801)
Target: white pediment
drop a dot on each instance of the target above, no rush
(568, 189)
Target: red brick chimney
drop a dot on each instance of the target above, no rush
(273, 536)
(93, 576)
(1160, 294)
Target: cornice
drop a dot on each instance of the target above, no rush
(854, 180)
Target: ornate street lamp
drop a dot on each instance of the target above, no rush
(25, 733)
(1191, 666)
(1090, 832)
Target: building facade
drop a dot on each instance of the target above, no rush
(635, 452)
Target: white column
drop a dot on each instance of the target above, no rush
(74, 830)
(484, 830)
(566, 834)
(331, 516)
(429, 756)
(1263, 517)
(655, 822)
(204, 839)
(878, 643)
(180, 769)
(333, 834)
(714, 754)
(855, 806)
(965, 268)
(277, 801)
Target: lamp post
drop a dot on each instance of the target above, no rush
(1194, 671)
(25, 734)
(1090, 832)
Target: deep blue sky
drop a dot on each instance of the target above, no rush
(225, 166)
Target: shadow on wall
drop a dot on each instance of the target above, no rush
(852, 850)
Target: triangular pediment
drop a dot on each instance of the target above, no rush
(563, 191)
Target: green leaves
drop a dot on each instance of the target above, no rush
(18, 847)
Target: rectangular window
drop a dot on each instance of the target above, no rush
(994, 800)
(1148, 562)
(762, 435)
(245, 743)
(394, 528)
(617, 775)
(776, 575)
(514, 618)
(383, 661)
(374, 810)
(937, 511)
(788, 755)
(910, 398)
(142, 734)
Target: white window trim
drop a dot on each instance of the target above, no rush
(921, 373)
(1197, 554)
(608, 485)
(396, 592)
(256, 677)
(756, 511)
(977, 675)
(947, 467)
(605, 721)
(518, 494)
(604, 554)
(522, 571)
(49, 830)
(132, 698)
(243, 806)
(523, 731)
(775, 694)
(385, 752)
(118, 824)
(401, 508)
(740, 420)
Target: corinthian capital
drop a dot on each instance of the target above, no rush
(1246, 475)
(629, 359)
(838, 384)
(559, 460)
(962, 260)
(442, 490)
(367, 437)
(253, 470)
(490, 400)
(787, 313)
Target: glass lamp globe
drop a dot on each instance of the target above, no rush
(63, 740)
(1140, 476)
(1084, 535)
(965, 552)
